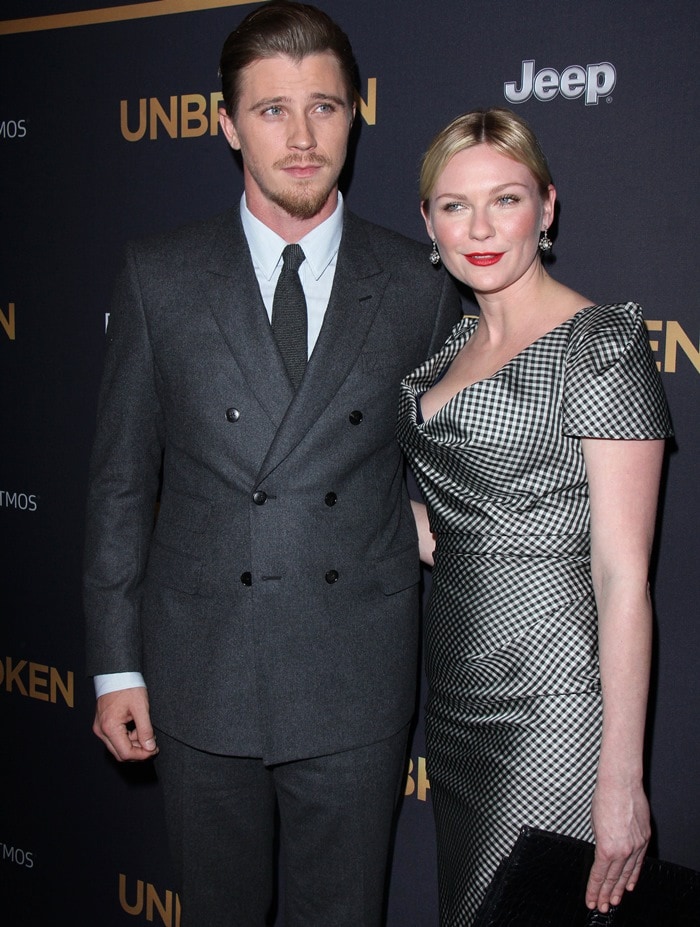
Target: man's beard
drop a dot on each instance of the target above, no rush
(302, 200)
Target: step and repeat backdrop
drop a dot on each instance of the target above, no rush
(108, 131)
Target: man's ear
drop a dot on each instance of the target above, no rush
(229, 129)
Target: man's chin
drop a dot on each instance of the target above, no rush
(302, 204)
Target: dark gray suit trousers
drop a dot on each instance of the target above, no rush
(336, 815)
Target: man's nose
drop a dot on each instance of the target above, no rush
(301, 133)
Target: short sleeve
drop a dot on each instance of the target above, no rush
(612, 388)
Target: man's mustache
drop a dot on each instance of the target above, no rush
(308, 160)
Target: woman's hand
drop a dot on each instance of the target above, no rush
(622, 830)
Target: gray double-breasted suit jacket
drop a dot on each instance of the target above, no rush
(272, 604)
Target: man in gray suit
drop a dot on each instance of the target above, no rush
(272, 609)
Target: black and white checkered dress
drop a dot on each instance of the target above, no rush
(514, 711)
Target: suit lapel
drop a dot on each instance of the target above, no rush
(233, 294)
(358, 286)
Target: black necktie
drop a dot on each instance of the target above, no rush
(289, 315)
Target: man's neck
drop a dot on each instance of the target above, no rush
(290, 228)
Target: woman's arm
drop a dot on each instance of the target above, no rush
(426, 539)
(624, 480)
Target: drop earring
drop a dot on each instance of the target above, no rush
(545, 242)
(435, 254)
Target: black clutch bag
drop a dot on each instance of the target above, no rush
(543, 882)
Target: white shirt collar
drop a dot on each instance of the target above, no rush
(320, 246)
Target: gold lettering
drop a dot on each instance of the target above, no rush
(654, 326)
(12, 675)
(38, 679)
(8, 321)
(420, 783)
(136, 908)
(170, 912)
(194, 120)
(215, 101)
(675, 338)
(169, 120)
(41, 679)
(193, 110)
(141, 131)
(368, 110)
(423, 783)
(67, 689)
(152, 900)
(410, 781)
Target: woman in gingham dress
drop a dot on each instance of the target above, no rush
(536, 436)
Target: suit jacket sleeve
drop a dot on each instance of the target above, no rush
(123, 484)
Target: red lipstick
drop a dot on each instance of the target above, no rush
(485, 259)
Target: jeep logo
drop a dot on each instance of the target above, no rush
(592, 82)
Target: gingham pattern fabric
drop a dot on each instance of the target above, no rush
(514, 709)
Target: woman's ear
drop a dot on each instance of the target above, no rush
(425, 212)
(549, 200)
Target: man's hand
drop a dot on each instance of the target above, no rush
(123, 724)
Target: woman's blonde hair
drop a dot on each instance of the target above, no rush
(501, 129)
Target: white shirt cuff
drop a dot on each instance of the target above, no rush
(113, 682)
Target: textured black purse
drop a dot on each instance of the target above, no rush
(543, 882)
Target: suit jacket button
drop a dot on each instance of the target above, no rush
(259, 497)
(247, 578)
(331, 498)
(355, 417)
(232, 415)
(332, 577)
